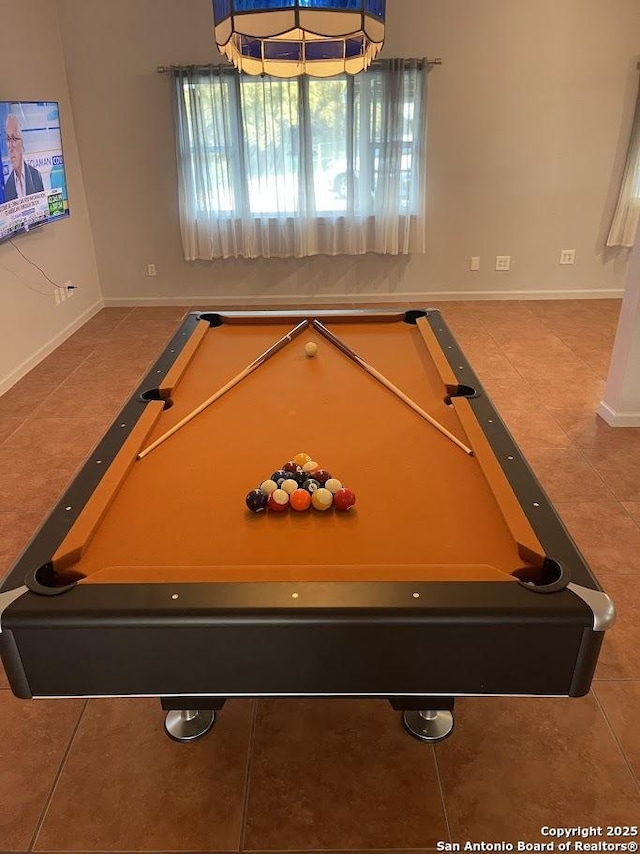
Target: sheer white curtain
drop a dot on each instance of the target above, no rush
(625, 221)
(290, 168)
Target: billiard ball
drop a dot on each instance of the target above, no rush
(279, 477)
(333, 485)
(278, 501)
(310, 466)
(256, 500)
(344, 499)
(300, 475)
(294, 471)
(310, 484)
(301, 459)
(311, 348)
(300, 500)
(322, 499)
(322, 475)
(290, 485)
(268, 486)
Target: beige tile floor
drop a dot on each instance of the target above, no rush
(336, 775)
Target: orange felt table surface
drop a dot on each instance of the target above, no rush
(425, 509)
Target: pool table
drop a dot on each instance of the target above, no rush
(451, 576)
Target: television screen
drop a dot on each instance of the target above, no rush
(33, 189)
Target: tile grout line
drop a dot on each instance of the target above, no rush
(533, 394)
(560, 427)
(572, 445)
(635, 779)
(635, 521)
(612, 500)
(577, 355)
(247, 780)
(54, 785)
(46, 398)
(441, 790)
(15, 430)
(624, 509)
(605, 488)
(91, 352)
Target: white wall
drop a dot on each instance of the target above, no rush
(528, 124)
(31, 325)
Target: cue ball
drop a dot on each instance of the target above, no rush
(311, 349)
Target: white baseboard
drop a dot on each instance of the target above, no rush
(393, 299)
(28, 365)
(618, 419)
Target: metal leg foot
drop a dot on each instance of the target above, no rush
(188, 725)
(428, 726)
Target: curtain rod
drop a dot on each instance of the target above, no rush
(165, 69)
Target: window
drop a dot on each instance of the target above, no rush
(295, 167)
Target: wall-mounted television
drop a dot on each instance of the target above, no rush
(33, 189)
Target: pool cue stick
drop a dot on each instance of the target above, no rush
(282, 342)
(388, 384)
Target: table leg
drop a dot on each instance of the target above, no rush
(428, 726)
(188, 724)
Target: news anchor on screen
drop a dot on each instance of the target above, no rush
(24, 180)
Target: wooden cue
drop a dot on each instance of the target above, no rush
(282, 342)
(388, 384)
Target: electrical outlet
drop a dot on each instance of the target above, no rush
(69, 290)
(475, 263)
(503, 262)
(568, 256)
(151, 270)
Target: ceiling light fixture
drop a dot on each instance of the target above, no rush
(287, 38)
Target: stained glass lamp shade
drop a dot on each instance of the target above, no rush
(286, 38)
